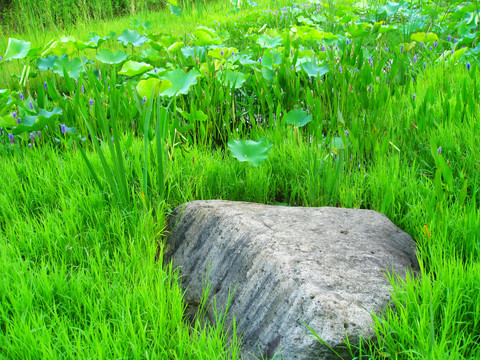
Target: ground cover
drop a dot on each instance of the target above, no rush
(330, 104)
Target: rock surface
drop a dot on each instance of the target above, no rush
(289, 266)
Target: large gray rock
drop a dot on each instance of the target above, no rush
(289, 265)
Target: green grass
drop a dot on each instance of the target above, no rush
(79, 277)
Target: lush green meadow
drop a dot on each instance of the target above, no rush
(106, 129)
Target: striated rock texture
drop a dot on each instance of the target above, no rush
(289, 265)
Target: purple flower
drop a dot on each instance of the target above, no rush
(14, 114)
(424, 64)
(431, 48)
(45, 85)
(83, 89)
(233, 53)
(468, 66)
(348, 42)
(421, 45)
(386, 49)
(21, 96)
(370, 61)
(31, 105)
(323, 48)
(346, 133)
(435, 44)
(415, 59)
(449, 38)
(260, 60)
(414, 96)
(144, 100)
(19, 121)
(11, 138)
(1, 58)
(111, 139)
(413, 79)
(401, 49)
(63, 128)
(90, 102)
(32, 136)
(452, 52)
(439, 150)
(155, 70)
(30, 145)
(221, 53)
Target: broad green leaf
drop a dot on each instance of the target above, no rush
(73, 67)
(16, 49)
(152, 85)
(175, 47)
(308, 34)
(424, 37)
(298, 118)
(95, 41)
(64, 46)
(267, 42)
(255, 152)
(151, 54)
(233, 79)
(459, 53)
(195, 115)
(222, 53)
(46, 63)
(176, 10)
(132, 68)
(314, 70)
(359, 30)
(181, 81)
(37, 122)
(194, 52)
(107, 57)
(131, 37)
(205, 36)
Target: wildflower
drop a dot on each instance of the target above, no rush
(323, 48)
(415, 59)
(439, 151)
(431, 48)
(112, 139)
(1, 58)
(83, 89)
(233, 53)
(260, 60)
(346, 133)
(435, 43)
(413, 79)
(19, 121)
(370, 61)
(32, 136)
(31, 105)
(144, 100)
(348, 42)
(11, 138)
(30, 145)
(401, 49)
(452, 52)
(21, 96)
(468, 66)
(154, 70)
(63, 128)
(14, 114)
(340, 68)
(424, 64)
(414, 96)
(449, 38)
(90, 102)
(421, 45)
(45, 85)
(386, 49)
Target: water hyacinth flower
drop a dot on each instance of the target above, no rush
(439, 151)
(11, 138)
(468, 66)
(90, 102)
(63, 128)
(21, 96)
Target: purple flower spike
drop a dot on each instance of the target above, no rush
(260, 60)
(221, 53)
(83, 89)
(340, 68)
(414, 96)
(112, 139)
(11, 138)
(346, 133)
(449, 38)
(31, 105)
(348, 42)
(144, 100)
(435, 44)
(424, 64)
(21, 96)
(19, 121)
(323, 48)
(401, 50)
(415, 59)
(90, 102)
(63, 128)
(14, 114)
(439, 150)
(45, 85)
(468, 66)
(32, 136)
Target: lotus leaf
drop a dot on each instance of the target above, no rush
(298, 118)
(107, 57)
(152, 86)
(73, 67)
(131, 37)
(234, 79)
(255, 152)
(424, 37)
(266, 41)
(314, 70)
(181, 81)
(16, 49)
(132, 68)
(46, 63)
